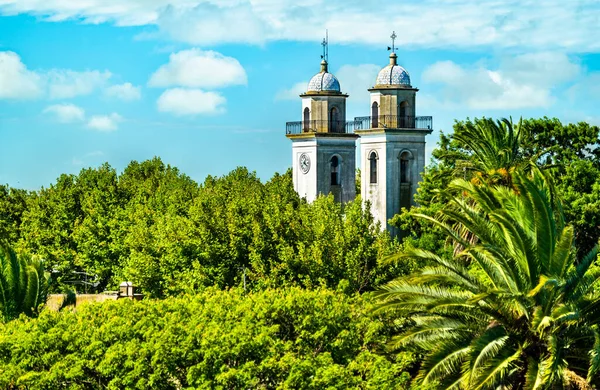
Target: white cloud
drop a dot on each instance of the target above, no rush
(210, 24)
(126, 92)
(66, 113)
(525, 81)
(179, 101)
(105, 122)
(587, 89)
(199, 69)
(530, 24)
(64, 84)
(292, 92)
(16, 82)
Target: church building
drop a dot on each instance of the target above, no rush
(392, 141)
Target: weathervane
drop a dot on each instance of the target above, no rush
(393, 36)
(325, 45)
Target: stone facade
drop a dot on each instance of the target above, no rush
(392, 143)
(387, 192)
(319, 178)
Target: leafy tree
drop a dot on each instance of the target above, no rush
(523, 314)
(485, 151)
(273, 339)
(558, 144)
(13, 203)
(237, 227)
(48, 224)
(100, 199)
(155, 226)
(579, 188)
(23, 285)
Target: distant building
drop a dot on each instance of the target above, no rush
(392, 142)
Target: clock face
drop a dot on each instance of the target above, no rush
(304, 163)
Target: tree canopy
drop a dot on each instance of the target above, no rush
(274, 339)
(485, 151)
(155, 226)
(514, 308)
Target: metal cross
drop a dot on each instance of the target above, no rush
(325, 44)
(393, 36)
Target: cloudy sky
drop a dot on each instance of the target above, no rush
(208, 85)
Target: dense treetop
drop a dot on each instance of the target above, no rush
(569, 152)
(274, 339)
(156, 227)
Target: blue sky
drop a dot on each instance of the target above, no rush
(209, 85)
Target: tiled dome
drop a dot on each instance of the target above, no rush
(323, 81)
(393, 74)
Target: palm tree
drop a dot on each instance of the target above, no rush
(494, 149)
(23, 285)
(512, 310)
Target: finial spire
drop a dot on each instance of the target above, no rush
(393, 56)
(325, 56)
(325, 45)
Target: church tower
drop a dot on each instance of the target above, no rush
(323, 145)
(392, 143)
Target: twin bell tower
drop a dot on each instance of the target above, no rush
(392, 141)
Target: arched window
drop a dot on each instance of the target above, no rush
(334, 120)
(335, 171)
(405, 168)
(405, 119)
(306, 120)
(374, 115)
(373, 168)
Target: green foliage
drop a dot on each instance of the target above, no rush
(513, 308)
(579, 188)
(158, 228)
(494, 149)
(236, 225)
(559, 144)
(274, 339)
(12, 206)
(484, 151)
(23, 285)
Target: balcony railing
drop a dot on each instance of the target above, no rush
(393, 122)
(360, 123)
(319, 126)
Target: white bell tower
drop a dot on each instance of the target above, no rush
(323, 145)
(392, 143)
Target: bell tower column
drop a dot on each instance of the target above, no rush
(392, 140)
(323, 146)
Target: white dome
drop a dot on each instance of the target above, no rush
(393, 75)
(324, 81)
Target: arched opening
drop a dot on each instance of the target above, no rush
(373, 168)
(306, 120)
(404, 116)
(335, 165)
(405, 168)
(405, 179)
(334, 120)
(374, 115)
